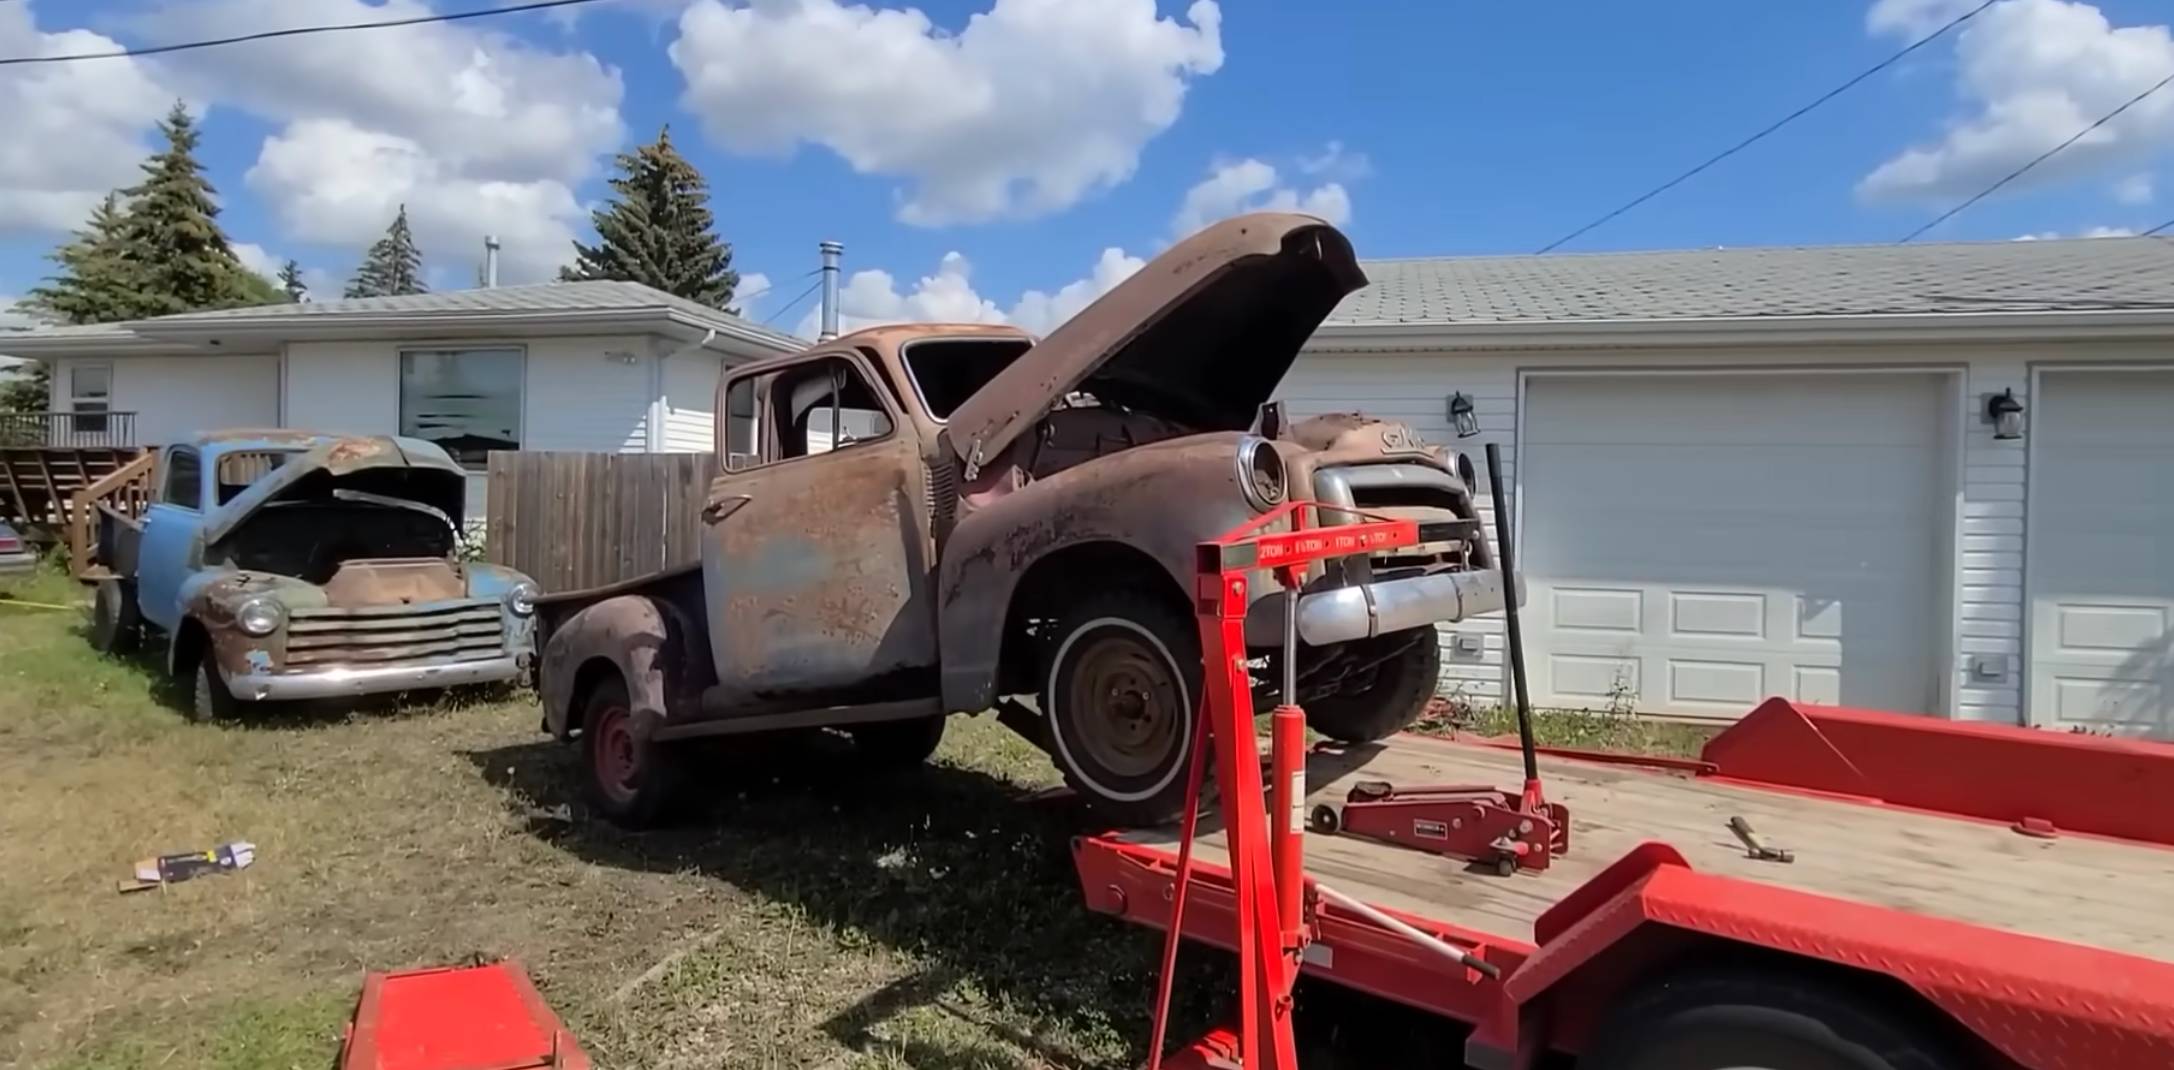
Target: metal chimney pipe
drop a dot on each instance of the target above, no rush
(831, 252)
(490, 261)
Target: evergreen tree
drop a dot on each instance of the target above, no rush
(658, 230)
(97, 282)
(179, 260)
(393, 265)
(290, 282)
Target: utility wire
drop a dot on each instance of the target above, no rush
(1770, 128)
(295, 31)
(2157, 229)
(792, 304)
(2041, 158)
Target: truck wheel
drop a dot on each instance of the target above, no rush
(1740, 1019)
(1402, 687)
(1120, 692)
(631, 781)
(115, 626)
(211, 701)
(892, 745)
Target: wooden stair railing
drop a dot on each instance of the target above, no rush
(125, 493)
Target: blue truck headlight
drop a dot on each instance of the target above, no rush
(260, 616)
(521, 599)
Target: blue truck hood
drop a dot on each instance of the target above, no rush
(406, 469)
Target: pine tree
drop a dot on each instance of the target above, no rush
(180, 260)
(393, 265)
(290, 282)
(97, 282)
(658, 230)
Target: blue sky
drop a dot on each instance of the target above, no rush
(1431, 128)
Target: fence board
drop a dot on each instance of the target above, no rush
(576, 520)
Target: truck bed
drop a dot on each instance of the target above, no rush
(2104, 893)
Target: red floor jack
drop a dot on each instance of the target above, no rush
(1277, 904)
(1489, 826)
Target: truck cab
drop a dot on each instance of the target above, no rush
(919, 520)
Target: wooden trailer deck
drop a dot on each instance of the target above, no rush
(2109, 894)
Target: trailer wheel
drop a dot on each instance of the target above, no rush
(1401, 688)
(115, 625)
(894, 745)
(1746, 1019)
(1119, 692)
(632, 781)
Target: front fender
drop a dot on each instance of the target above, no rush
(209, 597)
(1162, 499)
(638, 637)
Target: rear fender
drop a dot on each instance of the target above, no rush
(642, 639)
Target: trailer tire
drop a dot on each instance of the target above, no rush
(1402, 688)
(632, 781)
(1724, 1019)
(888, 746)
(116, 627)
(1127, 756)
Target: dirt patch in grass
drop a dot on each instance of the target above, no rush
(802, 914)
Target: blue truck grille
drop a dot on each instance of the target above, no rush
(380, 635)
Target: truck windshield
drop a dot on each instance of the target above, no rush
(947, 371)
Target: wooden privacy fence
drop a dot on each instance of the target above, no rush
(578, 520)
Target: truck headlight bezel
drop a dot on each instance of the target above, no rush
(520, 599)
(1262, 476)
(260, 616)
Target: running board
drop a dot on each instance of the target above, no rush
(822, 717)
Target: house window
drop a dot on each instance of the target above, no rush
(90, 396)
(468, 401)
(184, 479)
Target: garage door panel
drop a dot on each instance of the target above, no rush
(1703, 542)
(2101, 573)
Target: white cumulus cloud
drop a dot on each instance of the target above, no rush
(872, 297)
(259, 259)
(73, 131)
(2087, 232)
(1249, 185)
(753, 290)
(1034, 105)
(475, 130)
(2031, 74)
(2135, 189)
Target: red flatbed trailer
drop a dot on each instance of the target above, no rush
(1924, 881)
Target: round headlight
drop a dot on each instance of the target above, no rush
(260, 616)
(1261, 475)
(521, 599)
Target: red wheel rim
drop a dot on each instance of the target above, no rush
(617, 761)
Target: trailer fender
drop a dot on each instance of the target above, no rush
(640, 638)
(2042, 1004)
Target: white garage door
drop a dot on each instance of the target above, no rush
(2101, 567)
(1696, 543)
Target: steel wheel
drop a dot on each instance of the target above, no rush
(1119, 693)
(631, 780)
(1131, 701)
(616, 767)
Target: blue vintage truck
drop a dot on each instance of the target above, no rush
(297, 565)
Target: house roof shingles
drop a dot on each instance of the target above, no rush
(1754, 283)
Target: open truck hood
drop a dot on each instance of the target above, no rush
(367, 466)
(1201, 335)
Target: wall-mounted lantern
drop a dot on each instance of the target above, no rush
(2005, 413)
(1461, 416)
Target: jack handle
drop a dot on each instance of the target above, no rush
(1418, 936)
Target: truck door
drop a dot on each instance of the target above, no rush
(166, 551)
(817, 559)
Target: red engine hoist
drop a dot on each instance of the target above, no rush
(1265, 827)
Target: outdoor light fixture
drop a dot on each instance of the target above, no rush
(2005, 413)
(1461, 417)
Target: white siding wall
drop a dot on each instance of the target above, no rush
(1985, 581)
(344, 387)
(690, 401)
(176, 397)
(588, 394)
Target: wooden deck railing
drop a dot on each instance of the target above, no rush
(48, 430)
(123, 494)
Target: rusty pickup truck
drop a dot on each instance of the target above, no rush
(916, 521)
(295, 565)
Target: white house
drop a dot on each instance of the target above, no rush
(593, 366)
(1753, 472)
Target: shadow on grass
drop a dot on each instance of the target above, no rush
(957, 868)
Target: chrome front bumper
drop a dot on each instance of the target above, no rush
(1342, 614)
(347, 683)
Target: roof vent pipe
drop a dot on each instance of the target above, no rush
(490, 261)
(831, 252)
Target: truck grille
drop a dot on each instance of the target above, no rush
(382, 635)
(1413, 492)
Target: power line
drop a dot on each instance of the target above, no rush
(2041, 158)
(1770, 128)
(792, 304)
(295, 31)
(2157, 229)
